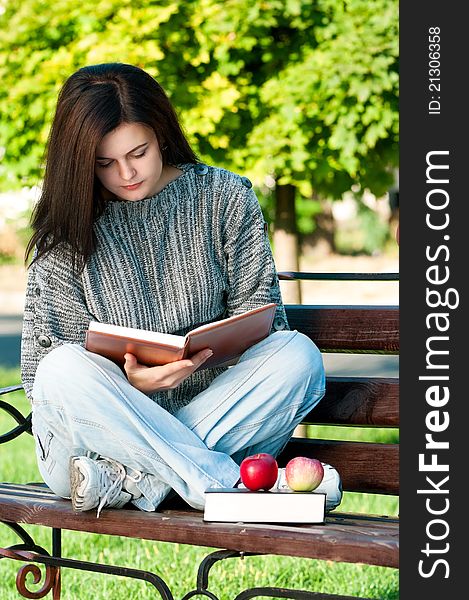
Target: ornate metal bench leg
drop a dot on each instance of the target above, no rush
(270, 592)
(51, 580)
(53, 563)
(24, 423)
(30, 552)
(23, 552)
(206, 565)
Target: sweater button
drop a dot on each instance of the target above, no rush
(246, 182)
(279, 324)
(37, 291)
(201, 169)
(44, 341)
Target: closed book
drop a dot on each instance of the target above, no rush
(231, 505)
(227, 338)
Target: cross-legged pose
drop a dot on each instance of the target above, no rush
(132, 229)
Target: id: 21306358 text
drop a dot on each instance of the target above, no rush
(434, 70)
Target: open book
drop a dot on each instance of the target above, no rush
(230, 505)
(227, 338)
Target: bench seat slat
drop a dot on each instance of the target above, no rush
(363, 466)
(363, 401)
(343, 538)
(348, 328)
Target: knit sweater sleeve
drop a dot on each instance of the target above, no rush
(252, 274)
(55, 313)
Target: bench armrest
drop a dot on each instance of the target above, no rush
(11, 388)
(24, 423)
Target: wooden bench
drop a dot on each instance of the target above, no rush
(364, 467)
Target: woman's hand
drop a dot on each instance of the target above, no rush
(165, 377)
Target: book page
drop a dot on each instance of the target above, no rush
(138, 334)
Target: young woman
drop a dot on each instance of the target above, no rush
(131, 229)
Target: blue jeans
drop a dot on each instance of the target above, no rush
(82, 402)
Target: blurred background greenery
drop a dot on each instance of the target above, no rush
(299, 95)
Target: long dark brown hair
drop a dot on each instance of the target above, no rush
(94, 101)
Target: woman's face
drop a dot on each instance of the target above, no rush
(129, 162)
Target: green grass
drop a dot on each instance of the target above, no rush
(177, 563)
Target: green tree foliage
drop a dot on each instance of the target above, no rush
(304, 91)
(41, 43)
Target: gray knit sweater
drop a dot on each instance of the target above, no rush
(195, 252)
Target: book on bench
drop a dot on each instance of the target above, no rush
(233, 505)
(227, 338)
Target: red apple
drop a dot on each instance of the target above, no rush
(304, 474)
(259, 471)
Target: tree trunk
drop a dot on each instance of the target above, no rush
(285, 238)
(321, 242)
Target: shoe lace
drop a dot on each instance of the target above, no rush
(113, 473)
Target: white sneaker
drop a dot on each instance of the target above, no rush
(97, 483)
(331, 485)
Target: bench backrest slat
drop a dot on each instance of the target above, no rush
(348, 328)
(360, 401)
(364, 466)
